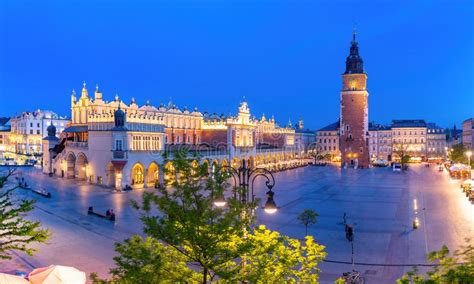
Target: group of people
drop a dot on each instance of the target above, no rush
(22, 182)
(109, 213)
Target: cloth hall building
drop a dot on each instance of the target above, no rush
(118, 144)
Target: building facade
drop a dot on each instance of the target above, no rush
(5, 130)
(305, 140)
(409, 138)
(468, 133)
(29, 128)
(380, 143)
(354, 112)
(436, 143)
(118, 144)
(327, 141)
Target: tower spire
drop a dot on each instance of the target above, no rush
(354, 63)
(84, 93)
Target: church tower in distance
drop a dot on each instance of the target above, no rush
(353, 128)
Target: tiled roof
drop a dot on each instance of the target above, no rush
(374, 127)
(408, 123)
(309, 131)
(76, 128)
(4, 120)
(431, 125)
(331, 127)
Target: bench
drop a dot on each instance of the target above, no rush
(42, 192)
(90, 211)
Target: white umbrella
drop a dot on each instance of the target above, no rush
(12, 279)
(57, 274)
(469, 181)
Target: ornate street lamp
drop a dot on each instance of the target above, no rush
(245, 178)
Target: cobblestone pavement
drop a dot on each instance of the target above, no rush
(378, 202)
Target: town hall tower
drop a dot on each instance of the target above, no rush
(353, 128)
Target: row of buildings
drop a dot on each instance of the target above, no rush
(421, 140)
(355, 142)
(22, 134)
(117, 144)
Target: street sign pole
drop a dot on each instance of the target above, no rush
(352, 245)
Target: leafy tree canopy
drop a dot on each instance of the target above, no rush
(16, 232)
(188, 239)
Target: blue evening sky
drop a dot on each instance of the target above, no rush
(285, 57)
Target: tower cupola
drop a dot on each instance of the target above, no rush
(51, 130)
(119, 117)
(84, 93)
(98, 93)
(354, 63)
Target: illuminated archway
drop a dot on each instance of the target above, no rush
(224, 165)
(71, 165)
(251, 162)
(194, 167)
(205, 165)
(214, 166)
(235, 163)
(81, 162)
(138, 174)
(110, 175)
(170, 173)
(153, 174)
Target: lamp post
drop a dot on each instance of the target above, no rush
(245, 178)
(469, 154)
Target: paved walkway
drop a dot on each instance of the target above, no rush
(379, 202)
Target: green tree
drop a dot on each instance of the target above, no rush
(16, 232)
(457, 154)
(307, 217)
(457, 267)
(189, 222)
(188, 239)
(148, 261)
(274, 258)
(401, 151)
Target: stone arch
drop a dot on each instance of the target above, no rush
(71, 165)
(206, 166)
(269, 159)
(257, 161)
(170, 173)
(138, 174)
(235, 163)
(251, 162)
(110, 175)
(153, 174)
(214, 166)
(224, 165)
(194, 166)
(81, 166)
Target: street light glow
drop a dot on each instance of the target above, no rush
(220, 201)
(270, 206)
